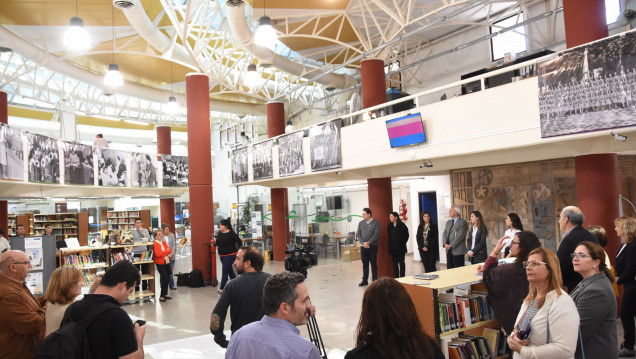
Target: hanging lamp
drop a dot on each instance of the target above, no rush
(265, 34)
(76, 37)
(113, 77)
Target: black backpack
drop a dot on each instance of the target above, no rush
(183, 279)
(70, 341)
(196, 279)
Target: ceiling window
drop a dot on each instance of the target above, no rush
(512, 42)
(612, 10)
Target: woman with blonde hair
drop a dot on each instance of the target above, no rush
(548, 316)
(625, 273)
(64, 286)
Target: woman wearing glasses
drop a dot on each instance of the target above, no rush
(545, 325)
(595, 300)
(625, 273)
(506, 283)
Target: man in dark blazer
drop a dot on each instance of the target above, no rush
(571, 224)
(455, 239)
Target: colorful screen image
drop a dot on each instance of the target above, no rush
(407, 130)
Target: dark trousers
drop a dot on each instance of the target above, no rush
(428, 260)
(144, 270)
(399, 269)
(164, 276)
(227, 262)
(369, 255)
(628, 311)
(171, 280)
(454, 261)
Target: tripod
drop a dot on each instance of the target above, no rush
(314, 334)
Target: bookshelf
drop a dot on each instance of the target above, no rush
(11, 225)
(125, 220)
(146, 260)
(65, 225)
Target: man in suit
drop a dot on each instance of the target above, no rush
(455, 239)
(571, 224)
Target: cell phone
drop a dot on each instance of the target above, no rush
(524, 334)
(140, 322)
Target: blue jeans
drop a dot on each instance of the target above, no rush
(227, 262)
(171, 281)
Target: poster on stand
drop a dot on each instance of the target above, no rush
(239, 165)
(175, 171)
(589, 88)
(78, 163)
(290, 154)
(143, 170)
(324, 146)
(262, 160)
(11, 153)
(44, 159)
(112, 167)
(35, 283)
(35, 258)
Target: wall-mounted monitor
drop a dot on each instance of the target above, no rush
(407, 130)
(334, 202)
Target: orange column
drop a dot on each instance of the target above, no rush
(4, 209)
(200, 165)
(381, 205)
(373, 83)
(280, 205)
(164, 147)
(584, 21)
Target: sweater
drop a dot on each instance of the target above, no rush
(368, 232)
(54, 315)
(227, 243)
(507, 286)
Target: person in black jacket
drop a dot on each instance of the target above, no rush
(398, 236)
(477, 238)
(227, 243)
(571, 224)
(625, 273)
(428, 242)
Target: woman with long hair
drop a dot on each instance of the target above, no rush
(513, 224)
(389, 326)
(162, 254)
(548, 316)
(228, 244)
(477, 238)
(507, 284)
(64, 286)
(398, 236)
(625, 273)
(428, 242)
(595, 300)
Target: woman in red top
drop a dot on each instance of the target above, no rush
(162, 261)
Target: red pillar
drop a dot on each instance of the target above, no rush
(200, 165)
(381, 205)
(584, 21)
(373, 82)
(280, 204)
(164, 147)
(4, 209)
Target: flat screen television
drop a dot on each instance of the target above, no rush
(405, 131)
(334, 202)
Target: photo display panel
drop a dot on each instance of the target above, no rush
(325, 146)
(11, 153)
(290, 154)
(78, 163)
(143, 170)
(262, 166)
(44, 159)
(111, 169)
(239, 165)
(175, 171)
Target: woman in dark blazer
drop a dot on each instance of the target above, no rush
(625, 273)
(428, 242)
(398, 236)
(477, 238)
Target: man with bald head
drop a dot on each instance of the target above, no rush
(572, 231)
(21, 315)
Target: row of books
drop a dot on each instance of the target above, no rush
(456, 312)
(123, 214)
(116, 257)
(470, 347)
(74, 260)
(87, 278)
(120, 221)
(112, 226)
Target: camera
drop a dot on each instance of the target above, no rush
(300, 259)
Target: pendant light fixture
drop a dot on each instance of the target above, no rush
(113, 77)
(265, 34)
(252, 77)
(173, 107)
(76, 37)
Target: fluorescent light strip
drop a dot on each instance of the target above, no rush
(137, 122)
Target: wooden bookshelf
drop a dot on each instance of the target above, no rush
(125, 220)
(65, 225)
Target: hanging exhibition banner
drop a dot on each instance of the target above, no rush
(175, 171)
(239, 165)
(290, 154)
(78, 163)
(44, 160)
(324, 146)
(143, 170)
(589, 88)
(262, 166)
(112, 170)
(11, 153)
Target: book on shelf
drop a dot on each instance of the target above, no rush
(468, 346)
(88, 278)
(456, 312)
(116, 257)
(75, 260)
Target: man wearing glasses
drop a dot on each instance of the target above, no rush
(21, 316)
(572, 231)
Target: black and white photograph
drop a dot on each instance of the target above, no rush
(290, 154)
(239, 165)
(44, 159)
(324, 146)
(262, 160)
(11, 153)
(78, 163)
(589, 88)
(143, 170)
(175, 171)
(112, 170)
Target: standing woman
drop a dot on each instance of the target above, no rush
(162, 260)
(428, 242)
(398, 236)
(595, 300)
(477, 238)
(513, 222)
(64, 286)
(625, 273)
(169, 238)
(228, 243)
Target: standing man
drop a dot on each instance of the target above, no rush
(112, 334)
(244, 295)
(455, 239)
(21, 316)
(20, 232)
(48, 229)
(140, 235)
(571, 225)
(369, 236)
(100, 141)
(169, 238)
(287, 303)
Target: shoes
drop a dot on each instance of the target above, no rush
(363, 283)
(173, 288)
(162, 299)
(624, 352)
(168, 297)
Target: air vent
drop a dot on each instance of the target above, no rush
(124, 4)
(235, 3)
(5, 49)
